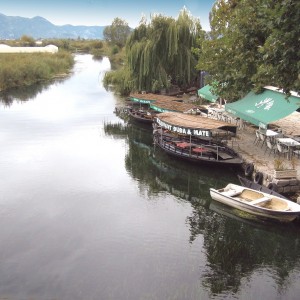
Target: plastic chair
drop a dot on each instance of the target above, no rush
(270, 146)
(296, 152)
(262, 137)
(257, 138)
(281, 149)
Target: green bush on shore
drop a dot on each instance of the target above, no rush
(17, 69)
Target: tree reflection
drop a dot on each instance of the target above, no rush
(116, 130)
(25, 93)
(237, 247)
(158, 172)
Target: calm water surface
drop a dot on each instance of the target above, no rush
(90, 210)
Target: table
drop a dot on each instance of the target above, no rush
(183, 145)
(270, 133)
(290, 143)
(200, 150)
(262, 135)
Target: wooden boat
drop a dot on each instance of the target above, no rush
(147, 115)
(195, 126)
(257, 203)
(196, 150)
(141, 115)
(256, 186)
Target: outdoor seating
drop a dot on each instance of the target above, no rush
(271, 146)
(289, 145)
(262, 137)
(282, 149)
(257, 137)
(296, 152)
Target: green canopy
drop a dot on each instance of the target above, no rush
(205, 93)
(262, 109)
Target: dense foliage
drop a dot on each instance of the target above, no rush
(117, 32)
(18, 69)
(252, 43)
(159, 54)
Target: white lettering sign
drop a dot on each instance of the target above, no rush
(183, 130)
(266, 103)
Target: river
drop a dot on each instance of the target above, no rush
(90, 210)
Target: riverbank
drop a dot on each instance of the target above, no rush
(264, 161)
(23, 69)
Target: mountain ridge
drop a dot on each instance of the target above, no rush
(13, 27)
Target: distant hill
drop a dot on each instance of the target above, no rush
(38, 27)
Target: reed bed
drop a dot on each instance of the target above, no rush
(18, 69)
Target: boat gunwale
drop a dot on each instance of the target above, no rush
(281, 215)
(236, 160)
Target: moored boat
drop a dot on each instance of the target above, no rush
(197, 151)
(257, 203)
(141, 115)
(258, 187)
(195, 126)
(157, 104)
(195, 138)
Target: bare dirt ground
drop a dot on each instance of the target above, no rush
(258, 154)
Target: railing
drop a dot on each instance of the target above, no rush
(187, 152)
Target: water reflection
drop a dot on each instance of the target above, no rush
(237, 249)
(25, 93)
(90, 209)
(160, 172)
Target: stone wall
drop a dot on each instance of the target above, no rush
(286, 186)
(284, 183)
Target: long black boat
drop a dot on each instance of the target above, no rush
(141, 115)
(195, 139)
(200, 151)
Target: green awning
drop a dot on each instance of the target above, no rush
(206, 94)
(262, 109)
(159, 109)
(140, 100)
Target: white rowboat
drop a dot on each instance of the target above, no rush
(257, 203)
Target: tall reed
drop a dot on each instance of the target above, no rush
(17, 69)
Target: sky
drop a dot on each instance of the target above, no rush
(103, 12)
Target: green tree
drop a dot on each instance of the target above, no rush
(159, 54)
(252, 43)
(230, 54)
(26, 40)
(117, 32)
(280, 62)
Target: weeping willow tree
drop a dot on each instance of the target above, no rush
(159, 53)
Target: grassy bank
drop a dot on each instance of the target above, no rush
(17, 69)
(97, 48)
(26, 69)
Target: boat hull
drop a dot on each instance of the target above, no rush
(141, 116)
(289, 212)
(215, 154)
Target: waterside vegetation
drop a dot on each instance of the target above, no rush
(158, 55)
(252, 43)
(18, 69)
(22, 69)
